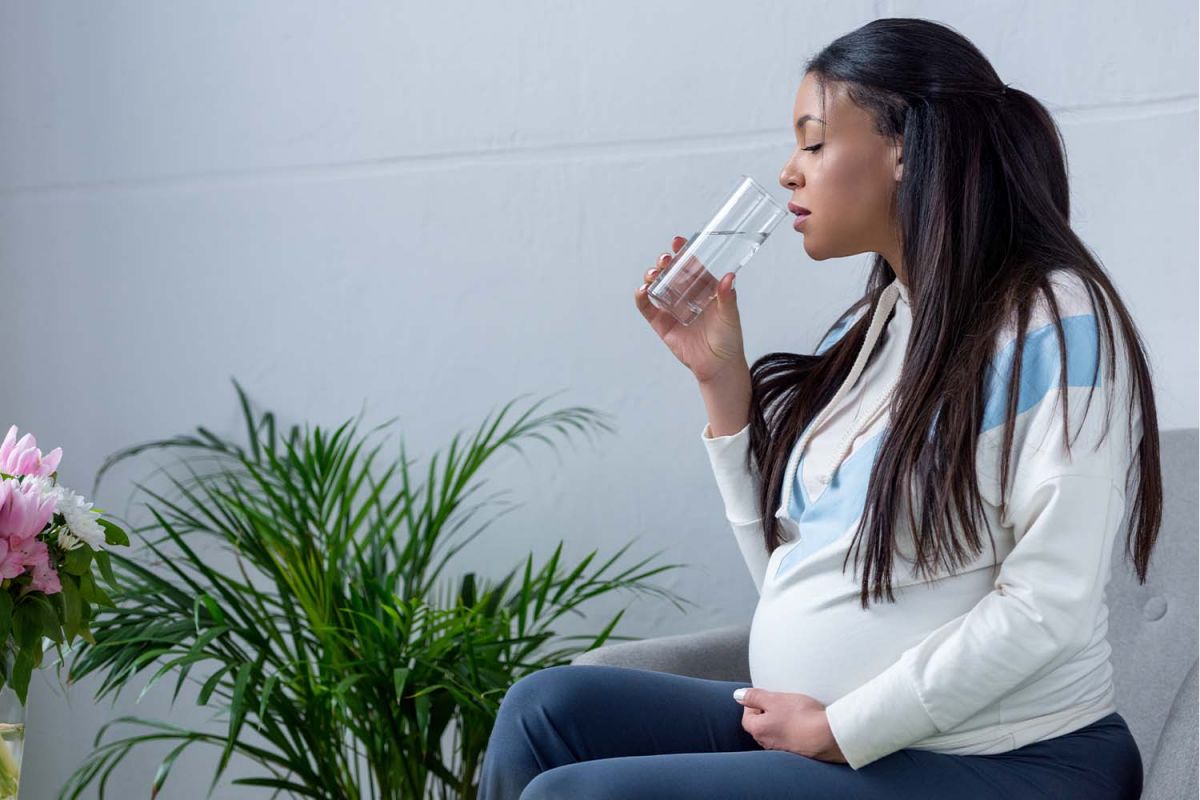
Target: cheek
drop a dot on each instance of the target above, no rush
(849, 176)
(848, 206)
(851, 196)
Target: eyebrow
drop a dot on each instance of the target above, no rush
(800, 122)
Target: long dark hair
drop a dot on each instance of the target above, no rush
(983, 212)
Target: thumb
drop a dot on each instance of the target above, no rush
(750, 696)
(727, 297)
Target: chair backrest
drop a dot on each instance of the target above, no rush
(1152, 627)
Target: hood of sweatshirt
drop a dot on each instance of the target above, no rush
(896, 292)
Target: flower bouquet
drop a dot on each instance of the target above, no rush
(49, 540)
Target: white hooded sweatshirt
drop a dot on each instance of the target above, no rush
(971, 662)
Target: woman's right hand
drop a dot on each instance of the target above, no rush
(712, 344)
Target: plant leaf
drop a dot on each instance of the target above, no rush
(113, 534)
(78, 561)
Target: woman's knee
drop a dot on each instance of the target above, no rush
(545, 786)
(568, 782)
(548, 689)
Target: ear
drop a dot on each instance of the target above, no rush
(898, 159)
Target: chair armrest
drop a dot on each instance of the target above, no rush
(717, 654)
(1172, 771)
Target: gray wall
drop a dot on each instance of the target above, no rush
(433, 208)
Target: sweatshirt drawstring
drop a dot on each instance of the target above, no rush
(887, 301)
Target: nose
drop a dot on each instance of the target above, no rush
(789, 178)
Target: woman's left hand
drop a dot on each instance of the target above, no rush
(789, 721)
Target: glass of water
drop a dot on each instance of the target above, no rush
(727, 241)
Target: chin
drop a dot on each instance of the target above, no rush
(814, 251)
(819, 251)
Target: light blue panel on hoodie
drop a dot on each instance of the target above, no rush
(1040, 367)
(842, 501)
(838, 506)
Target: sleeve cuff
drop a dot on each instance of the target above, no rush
(738, 487)
(882, 716)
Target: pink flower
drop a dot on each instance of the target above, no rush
(45, 577)
(10, 562)
(24, 458)
(24, 512)
(24, 509)
(20, 552)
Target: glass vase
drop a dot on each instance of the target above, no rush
(12, 742)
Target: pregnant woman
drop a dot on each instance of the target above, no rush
(927, 504)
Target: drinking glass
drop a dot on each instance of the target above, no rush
(727, 241)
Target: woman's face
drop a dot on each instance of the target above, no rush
(845, 173)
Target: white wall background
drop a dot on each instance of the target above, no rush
(434, 208)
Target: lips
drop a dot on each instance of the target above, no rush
(801, 213)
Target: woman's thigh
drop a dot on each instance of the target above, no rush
(1095, 763)
(568, 714)
(606, 732)
(603, 711)
(1100, 760)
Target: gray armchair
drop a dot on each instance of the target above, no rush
(1152, 630)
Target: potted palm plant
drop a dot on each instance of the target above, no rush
(341, 654)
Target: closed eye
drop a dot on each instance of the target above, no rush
(814, 148)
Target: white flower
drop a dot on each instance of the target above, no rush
(73, 505)
(66, 541)
(45, 485)
(80, 519)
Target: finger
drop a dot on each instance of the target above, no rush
(677, 243)
(752, 697)
(725, 290)
(658, 267)
(661, 321)
(750, 721)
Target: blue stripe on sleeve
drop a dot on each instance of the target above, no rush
(1040, 366)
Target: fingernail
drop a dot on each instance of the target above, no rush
(738, 694)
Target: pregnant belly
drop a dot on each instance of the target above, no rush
(814, 637)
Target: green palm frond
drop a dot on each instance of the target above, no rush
(338, 638)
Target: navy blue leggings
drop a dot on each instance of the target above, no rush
(590, 732)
